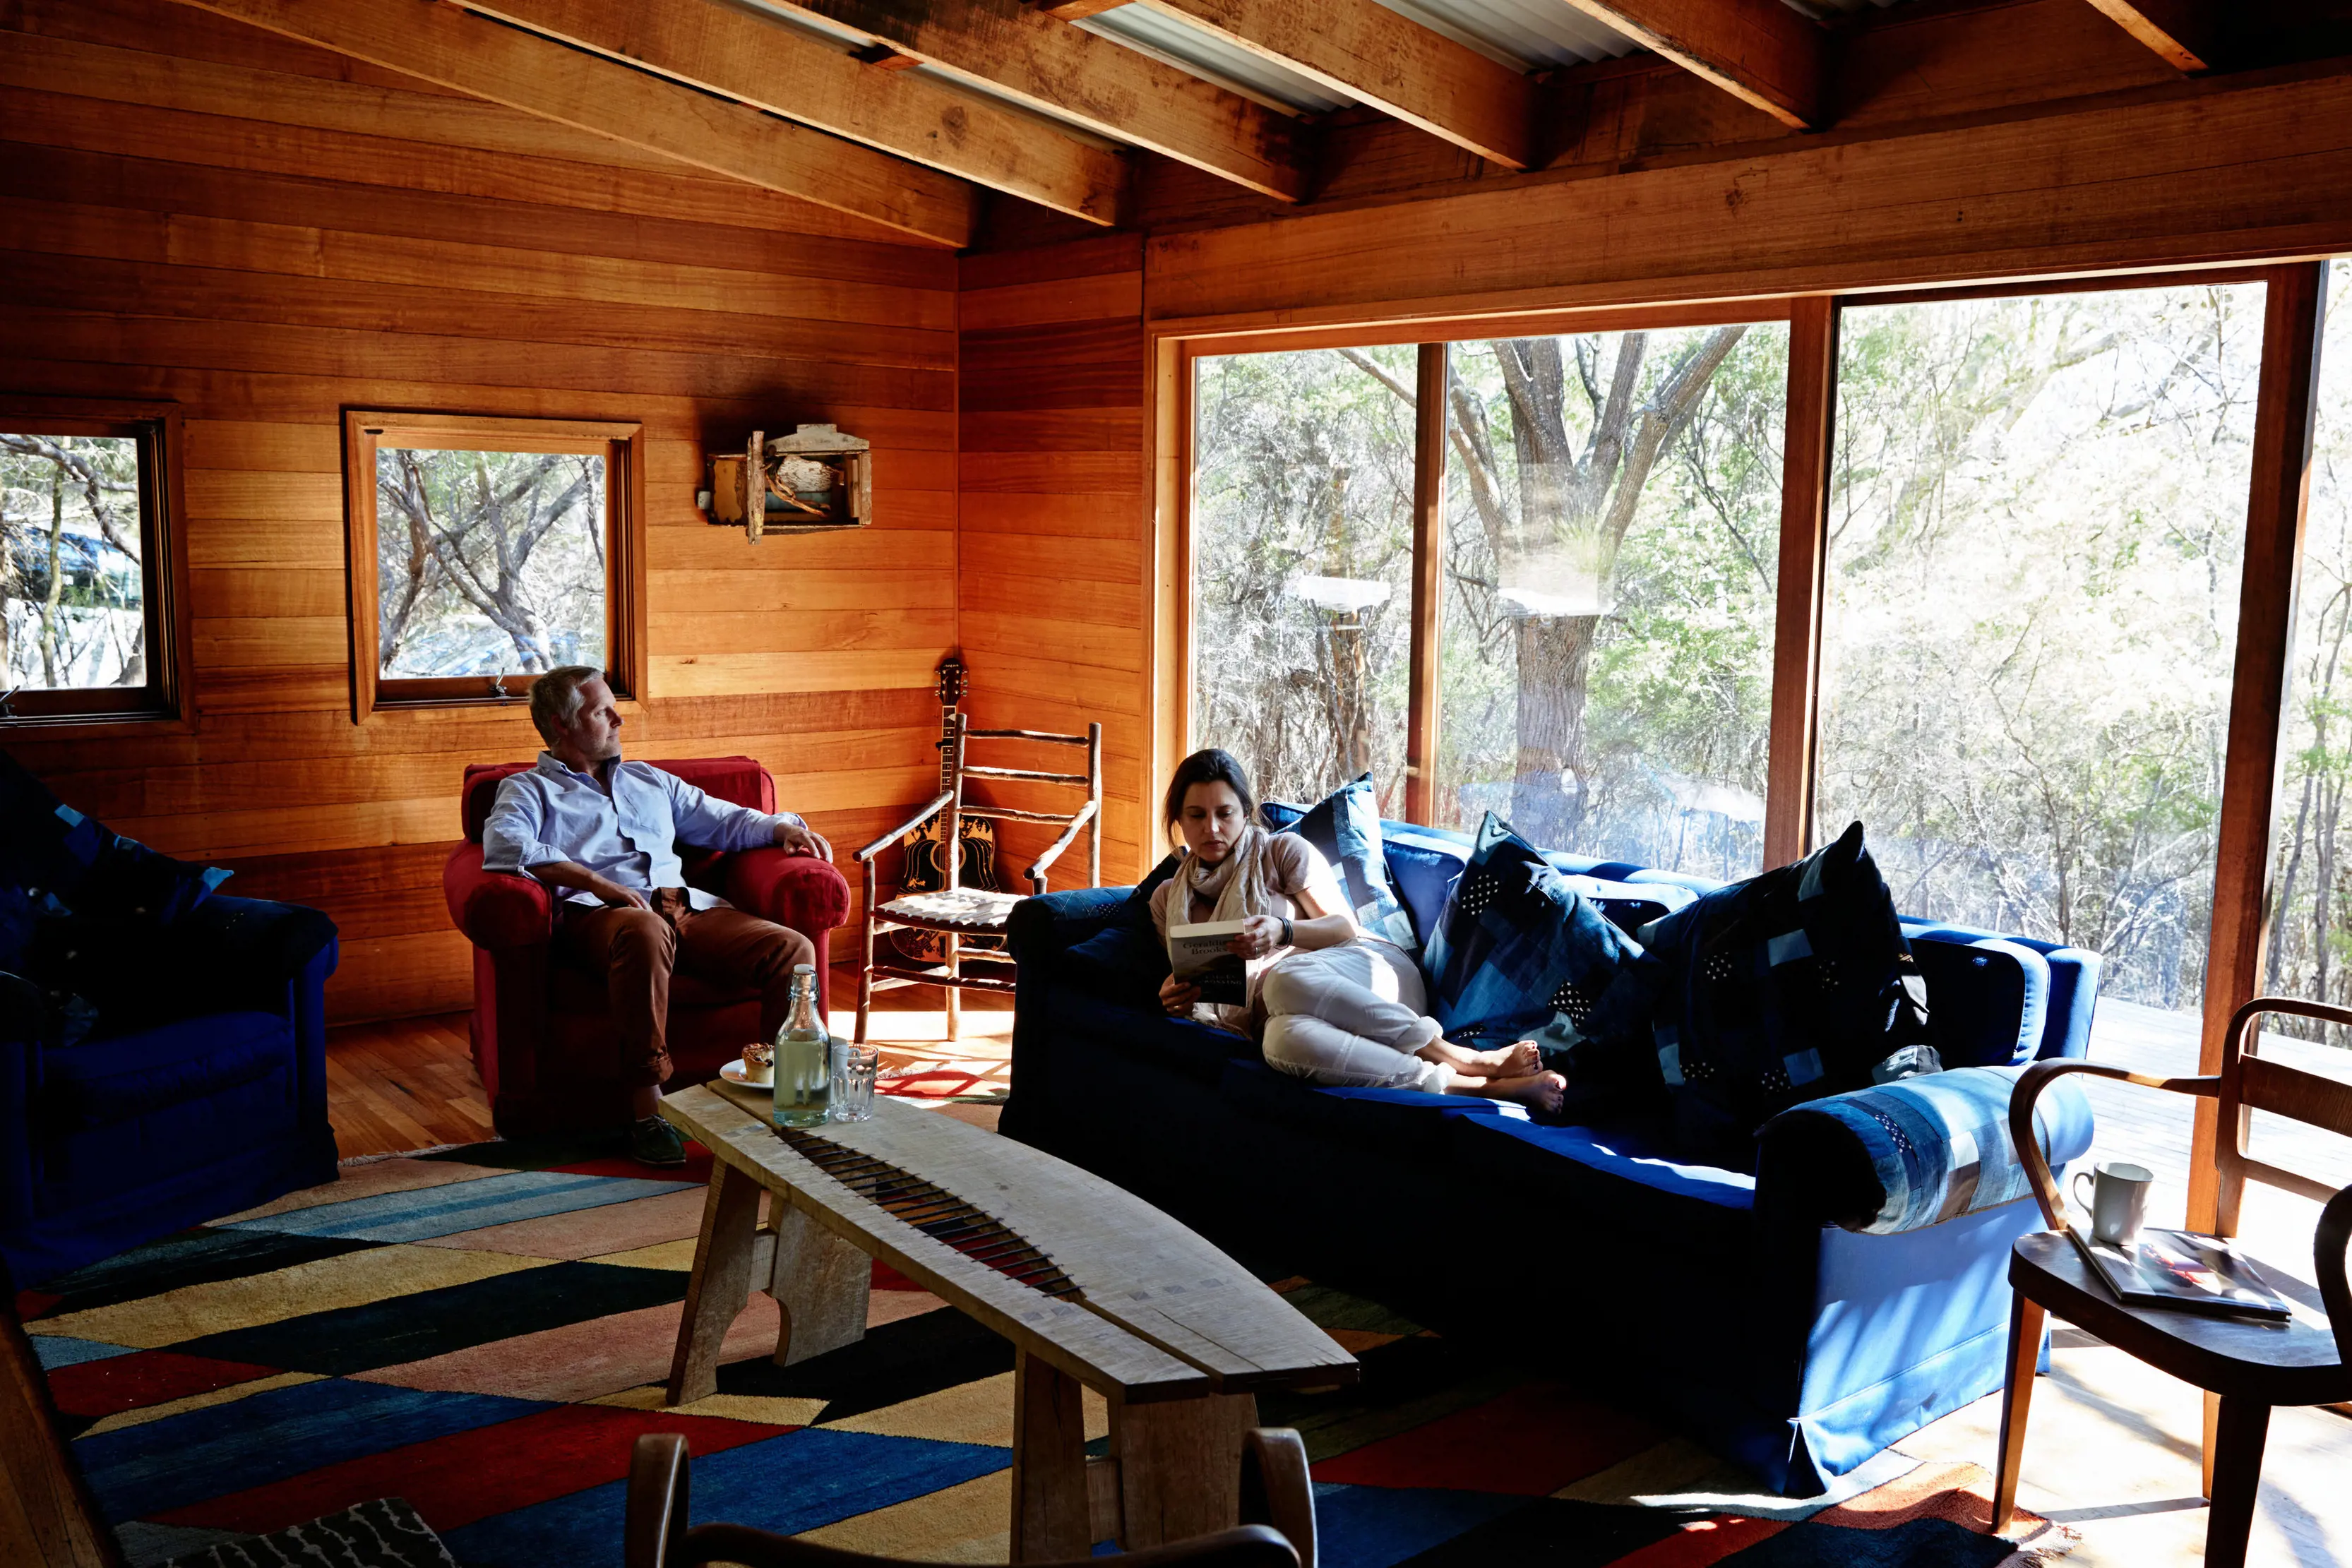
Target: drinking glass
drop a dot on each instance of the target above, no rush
(854, 1067)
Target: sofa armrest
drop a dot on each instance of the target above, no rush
(803, 891)
(1044, 928)
(496, 909)
(1914, 1153)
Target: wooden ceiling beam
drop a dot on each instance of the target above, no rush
(446, 47)
(1093, 81)
(1376, 57)
(1759, 52)
(771, 65)
(2180, 31)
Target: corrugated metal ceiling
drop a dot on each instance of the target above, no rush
(1526, 35)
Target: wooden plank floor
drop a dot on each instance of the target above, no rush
(2112, 1446)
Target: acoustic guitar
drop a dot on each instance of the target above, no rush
(926, 867)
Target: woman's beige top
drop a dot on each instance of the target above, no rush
(1293, 866)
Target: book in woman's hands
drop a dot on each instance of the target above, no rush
(1202, 953)
(2181, 1269)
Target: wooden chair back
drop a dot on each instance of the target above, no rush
(1085, 817)
(2251, 1081)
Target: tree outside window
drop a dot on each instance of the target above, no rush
(85, 560)
(500, 548)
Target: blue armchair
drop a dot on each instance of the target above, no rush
(202, 1091)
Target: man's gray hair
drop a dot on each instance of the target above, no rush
(555, 699)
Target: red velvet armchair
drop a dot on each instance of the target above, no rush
(542, 1031)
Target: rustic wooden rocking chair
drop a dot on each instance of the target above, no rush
(2244, 1367)
(955, 912)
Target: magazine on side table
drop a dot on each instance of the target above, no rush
(2184, 1269)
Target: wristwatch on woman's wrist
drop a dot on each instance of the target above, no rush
(1286, 930)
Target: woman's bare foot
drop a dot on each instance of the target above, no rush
(1542, 1090)
(1520, 1061)
(1511, 1061)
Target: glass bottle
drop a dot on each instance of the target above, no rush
(804, 1089)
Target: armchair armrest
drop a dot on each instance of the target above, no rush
(2039, 1077)
(1037, 872)
(1042, 929)
(496, 909)
(903, 829)
(2327, 1262)
(803, 891)
(253, 934)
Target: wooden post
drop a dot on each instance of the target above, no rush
(1179, 1466)
(1050, 1512)
(1797, 633)
(725, 1258)
(2295, 318)
(1426, 669)
(952, 861)
(1094, 797)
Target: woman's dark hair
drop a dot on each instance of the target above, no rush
(1213, 766)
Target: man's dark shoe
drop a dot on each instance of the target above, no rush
(654, 1142)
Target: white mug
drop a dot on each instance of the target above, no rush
(2118, 1199)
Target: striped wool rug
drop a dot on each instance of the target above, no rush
(483, 1331)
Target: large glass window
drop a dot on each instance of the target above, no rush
(1613, 539)
(1302, 547)
(2036, 530)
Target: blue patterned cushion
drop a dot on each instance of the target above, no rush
(1917, 1152)
(1781, 988)
(1519, 954)
(1346, 827)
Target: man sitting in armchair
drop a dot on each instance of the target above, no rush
(600, 833)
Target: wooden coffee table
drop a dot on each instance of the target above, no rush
(1095, 1288)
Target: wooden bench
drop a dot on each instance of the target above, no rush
(1095, 1288)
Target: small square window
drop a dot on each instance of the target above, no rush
(88, 558)
(486, 551)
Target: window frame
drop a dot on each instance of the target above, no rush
(166, 698)
(367, 431)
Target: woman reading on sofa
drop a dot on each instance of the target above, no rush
(1328, 1000)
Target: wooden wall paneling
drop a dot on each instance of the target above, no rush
(209, 258)
(1055, 564)
(1809, 437)
(2294, 323)
(1425, 680)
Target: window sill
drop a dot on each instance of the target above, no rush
(95, 725)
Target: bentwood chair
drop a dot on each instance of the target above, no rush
(1275, 1494)
(956, 912)
(2245, 1367)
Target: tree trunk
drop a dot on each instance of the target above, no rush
(56, 578)
(1550, 792)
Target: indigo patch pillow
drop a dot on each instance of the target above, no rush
(1519, 954)
(1783, 988)
(1346, 827)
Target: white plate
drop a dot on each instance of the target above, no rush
(733, 1072)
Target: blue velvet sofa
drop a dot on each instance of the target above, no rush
(204, 1095)
(1723, 1301)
